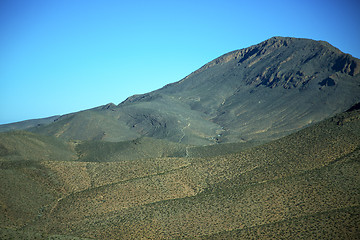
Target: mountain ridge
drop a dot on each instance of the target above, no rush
(276, 42)
(261, 93)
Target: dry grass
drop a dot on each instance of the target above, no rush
(305, 185)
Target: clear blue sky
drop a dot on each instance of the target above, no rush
(58, 57)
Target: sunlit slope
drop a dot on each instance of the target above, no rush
(36, 171)
(21, 145)
(27, 124)
(26, 146)
(33, 195)
(310, 177)
(307, 180)
(94, 124)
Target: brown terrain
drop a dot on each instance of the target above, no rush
(278, 157)
(305, 185)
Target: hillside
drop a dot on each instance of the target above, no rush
(259, 93)
(262, 142)
(307, 180)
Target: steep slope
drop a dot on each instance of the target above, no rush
(269, 89)
(306, 180)
(261, 93)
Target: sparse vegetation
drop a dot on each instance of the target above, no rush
(217, 155)
(305, 185)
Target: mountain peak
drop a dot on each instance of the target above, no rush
(261, 92)
(276, 59)
(241, 55)
(245, 88)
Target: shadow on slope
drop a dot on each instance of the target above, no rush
(142, 148)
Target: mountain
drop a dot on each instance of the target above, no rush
(259, 93)
(304, 186)
(286, 115)
(27, 124)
